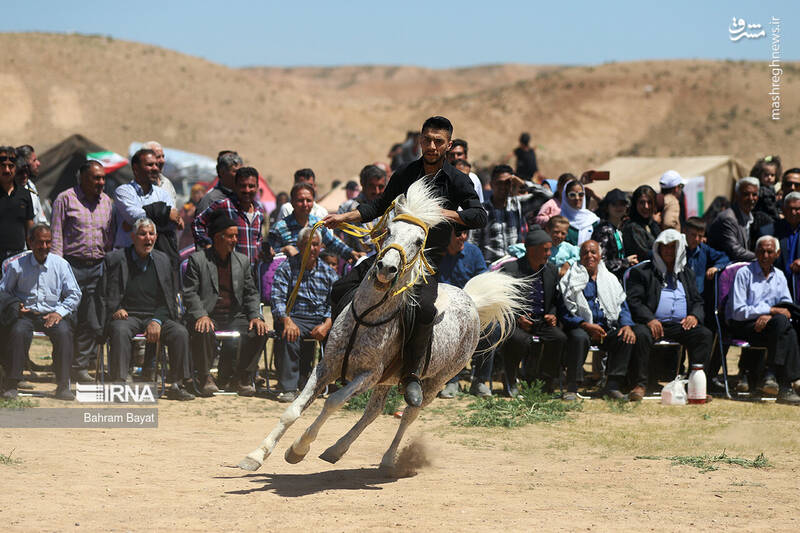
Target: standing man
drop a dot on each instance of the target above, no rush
(673, 216)
(137, 295)
(730, 231)
(304, 175)
(141, 198)
(162, 181)
(373, 181)
(505, 225)
(456, 191)
(48, 293)
(459, 153)
(284, 235)
(227, 164)
(244, 209)
(220, 294)
(83, 232)
(16, 207)
(28, 169)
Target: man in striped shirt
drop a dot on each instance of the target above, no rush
(284, 234)
(310, 318)
(244, 209)
(83, 231)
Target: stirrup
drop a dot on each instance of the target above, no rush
(412, 390)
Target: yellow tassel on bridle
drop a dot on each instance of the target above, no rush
(377, 233)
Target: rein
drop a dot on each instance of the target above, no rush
(377, 233)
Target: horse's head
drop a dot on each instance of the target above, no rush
(403, 245)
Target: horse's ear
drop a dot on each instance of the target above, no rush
(401, 200)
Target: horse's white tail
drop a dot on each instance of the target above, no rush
(498, 297)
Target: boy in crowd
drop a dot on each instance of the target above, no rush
(703, 259)
(564, 254)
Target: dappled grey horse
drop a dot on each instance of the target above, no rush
(369, 348)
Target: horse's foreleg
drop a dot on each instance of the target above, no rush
(409, 415)
(429, 389)
(298, 450)
(314, 387)
(376, 402)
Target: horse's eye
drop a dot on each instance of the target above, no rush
(419, 242)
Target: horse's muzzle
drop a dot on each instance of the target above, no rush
(384, 272)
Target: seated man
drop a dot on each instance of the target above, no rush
(310, 316)
(137, 295)
(540, 314)
(219, 294)
(663, 295)
(47, 292)
(595, 310)
(462, 262)
(757, 312)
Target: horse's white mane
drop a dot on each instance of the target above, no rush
(421, 201)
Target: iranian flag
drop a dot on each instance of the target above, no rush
(111, 161)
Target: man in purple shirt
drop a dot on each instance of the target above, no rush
(757, 309)
(83, 232)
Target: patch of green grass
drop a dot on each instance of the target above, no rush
(8, 460)
(533, 406)
(17, 403)
(707, 463)
(621, 406)
(359, 403)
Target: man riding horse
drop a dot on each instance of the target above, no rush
(457, 191)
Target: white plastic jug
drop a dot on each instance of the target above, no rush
(697, 384)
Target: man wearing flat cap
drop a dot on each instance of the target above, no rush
(220, 295)
(539, 317)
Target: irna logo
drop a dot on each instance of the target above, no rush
(115, 393)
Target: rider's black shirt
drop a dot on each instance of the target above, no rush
(452, 185)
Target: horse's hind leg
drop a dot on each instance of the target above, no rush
(298, 450)
(316, 383)
(376, 402)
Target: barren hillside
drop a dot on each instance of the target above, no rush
(337, 119)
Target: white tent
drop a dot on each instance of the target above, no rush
(720, 173)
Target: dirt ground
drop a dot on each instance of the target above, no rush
(581, 473)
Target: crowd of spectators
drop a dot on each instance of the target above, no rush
(618, 275)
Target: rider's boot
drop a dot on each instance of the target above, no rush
(414, 361)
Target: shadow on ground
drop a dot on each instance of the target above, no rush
(294, 485)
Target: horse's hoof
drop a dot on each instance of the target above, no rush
(293, 458)
(387, 469)
(330, 456)
(248, 463)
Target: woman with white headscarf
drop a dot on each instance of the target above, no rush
(573, 207)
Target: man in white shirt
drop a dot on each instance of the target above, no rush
(162, 182)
